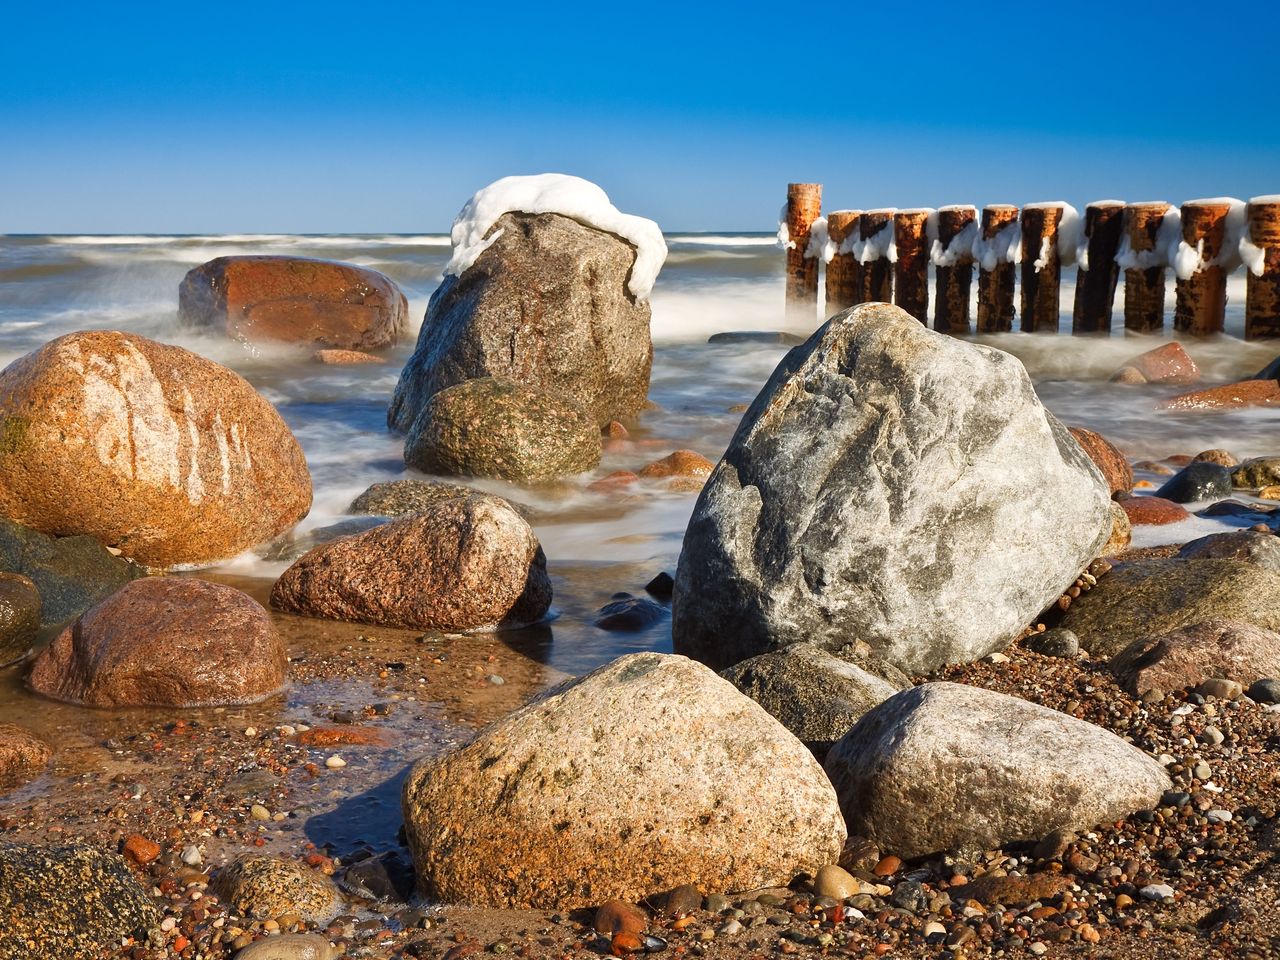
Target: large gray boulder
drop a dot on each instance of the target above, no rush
(1154, 597)
(546, 305)
(817, 695)
(944, 766)
(649, 773)
(889, 485)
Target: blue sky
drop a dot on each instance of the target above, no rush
(327, 117)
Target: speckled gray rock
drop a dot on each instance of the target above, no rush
(469, 562)
(290, 946)
(72, 901)
(890, 485)
(1153, 597)
(546, 305)
(19, 616)
(815, 694)
(648, 773)
(1252, 546)
(71, 573)
(1053, 643)
(1188, 656)
(293, 544)
(400, 498)
(269, 887)
(1258, 472)
(945, 766)
(498, 428)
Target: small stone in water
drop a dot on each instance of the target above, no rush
(496, 680)
(335, 762)
(250, 731)
(191, 856)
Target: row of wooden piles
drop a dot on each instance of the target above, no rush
(1201, 297)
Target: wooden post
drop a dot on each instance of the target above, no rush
(953, 268)
(844, 273)
(804, 205)
(1041, 267)
(911, 271)
(995, 274)
(1144, 285)
(1096, 276)
(1262, 299)
(1201, 306)
(877, 271)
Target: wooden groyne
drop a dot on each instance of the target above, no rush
(888, 255)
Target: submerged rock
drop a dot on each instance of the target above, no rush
(497, 428)
(71, 902)
(892, 485)
(71, 574)
(649, 773)
(23, 755)
(269, 887)
(165, 641)
(149, 448)
(1231, 396)
(1169, 363)
(545, 305)
(1154, 597)
(629, 614)
(468, 562)
(1258, 472)
(295, 300)
(1197, 481)
(19, 616)
(402, 498)
(1251, 546)
(1003, 770)
(1152, 511)
(1115, 469)
(815, 694)
(1188, 656)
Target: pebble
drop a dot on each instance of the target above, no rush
(836, 882)
(1265, 691)
(1201, 771)
(1057, 642)
(730, 928)
(716, 903)
(259, 812)
(1221, 688)
(888, 866)
(1157, 891)
(335, 762)
(289, 946)
(1039, 949)
(1212, 735)
(191, 856)
(1218, 815)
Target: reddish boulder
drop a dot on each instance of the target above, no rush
(1246, 393)
(1169, 363)
(165, 641)
(1152, 511)
(22, 755)
(141, 850)
(682, 463)
(295, 300)
(1115, 468)
(463, 563)
(1190, 655)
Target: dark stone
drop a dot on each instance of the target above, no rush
(387, 878)
(19, 616)
(1247, 513)
(660, 586)
(72, 902)
(756, 336)
(1053, 643)
(1197, 481)
(1270, 372)
(1265, 691)
(545, 305)
(71, 573)
(909, 895)
(630, 614)
(1175, 798)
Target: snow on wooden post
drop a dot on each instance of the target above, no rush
(1262, 261)
(844, 273)
(1097, 271)
(1041, 267)
(875, 246)
(804, 205)
(1201, 304)
(953, 259)
(998, 245)
(911, 270)
(1143, 265)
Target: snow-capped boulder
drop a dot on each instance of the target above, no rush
(889, 485)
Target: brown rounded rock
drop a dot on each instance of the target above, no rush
(1131, 376)
(1190, 655)
(295, 300)
(269, 887)
(172, 641)
(19, 616)
(23, 755)
(1169, 363)
(1012, 891)
(1115, 468)
(148, 448)
(1231, 396)
(141, 850)
(466, 562)
(618, 916)
(1152, 511)
(1224, 458)
(686, 464)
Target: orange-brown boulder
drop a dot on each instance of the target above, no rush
(22, 755)
(295, 300)
(681, 467)
(1169, 363)
(1152, 511)
(1246, 393)
(1115, 468)
(171, 641)
(148, 448)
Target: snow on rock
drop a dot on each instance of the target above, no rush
(568, 196)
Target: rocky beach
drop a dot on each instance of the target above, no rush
(609, 611)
